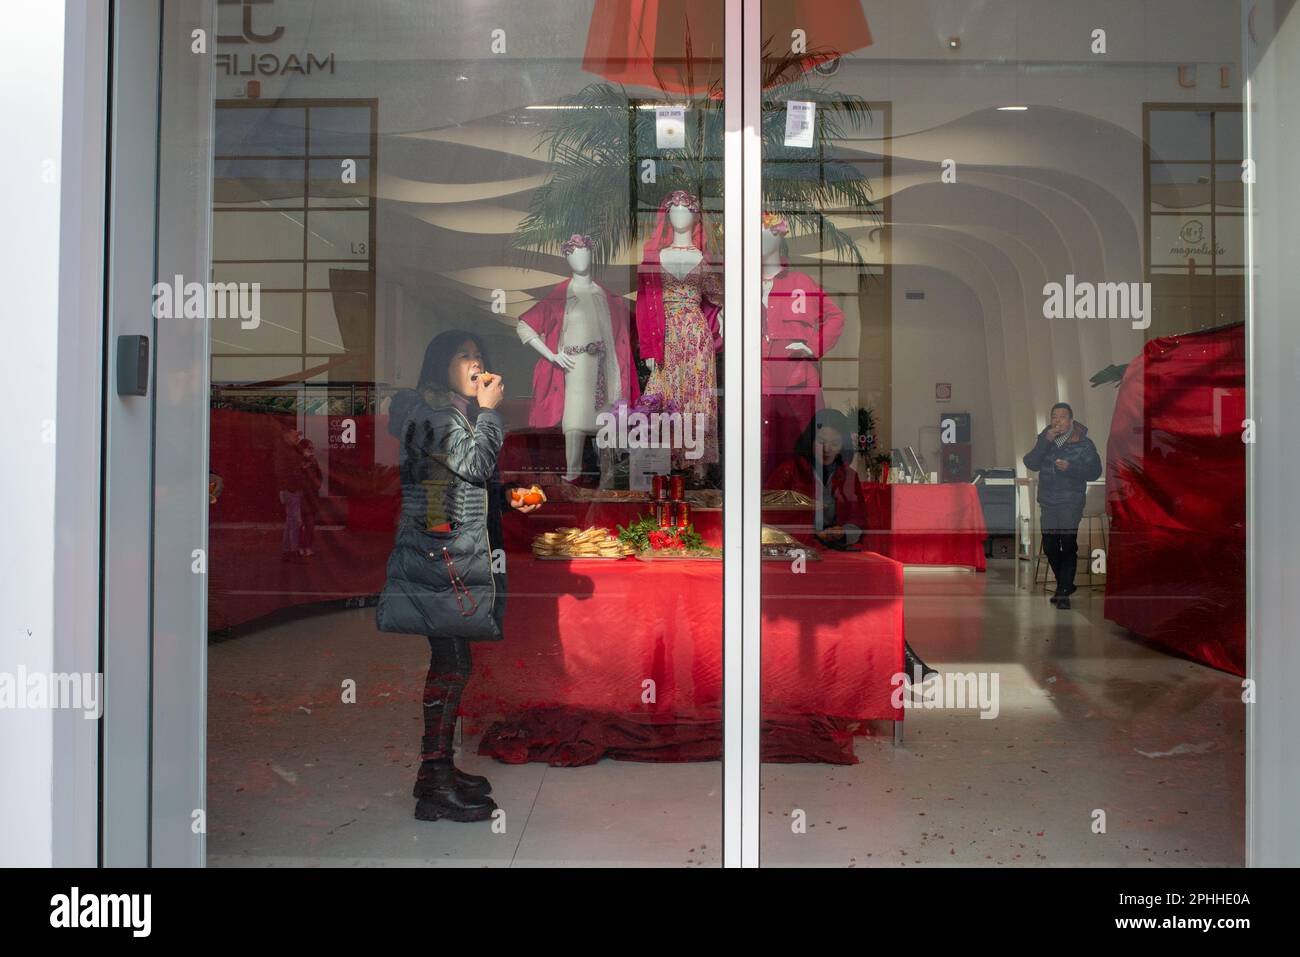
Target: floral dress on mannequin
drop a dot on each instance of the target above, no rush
(678, 327)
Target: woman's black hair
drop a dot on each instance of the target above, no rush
(827, 418)
(438, 356)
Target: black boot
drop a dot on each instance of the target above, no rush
(911, 662)
(444, 791)
(475, 783)
(442, 798)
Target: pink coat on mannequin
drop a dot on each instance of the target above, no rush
(792, 385)
(546, 318)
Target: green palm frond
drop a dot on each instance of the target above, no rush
(599, 143)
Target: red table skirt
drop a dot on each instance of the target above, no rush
(926, 524)
(584, 637)
(625, 658)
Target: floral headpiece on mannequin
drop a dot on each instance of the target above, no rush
(776, 223)
(576, 241)
(663, 231)
(679, 197)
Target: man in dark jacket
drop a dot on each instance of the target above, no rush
(1066, 461)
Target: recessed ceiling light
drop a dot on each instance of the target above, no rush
(954, 43)
(1017, 109)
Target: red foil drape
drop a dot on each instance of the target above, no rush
(1176, 496)
(644, 42)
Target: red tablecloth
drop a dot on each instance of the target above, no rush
(926, 524)
(585, 638)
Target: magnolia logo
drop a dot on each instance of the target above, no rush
(103, 910)
(1103, 300)
(1192, 232)
(209, 300)
(38, 690)
(949, 690)
(631, 429)
(1195, 242)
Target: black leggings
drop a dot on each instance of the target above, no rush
(449, 668)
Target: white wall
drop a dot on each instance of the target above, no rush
(31, 92)
(1273, 720)
(939, 339)
(1053, 190)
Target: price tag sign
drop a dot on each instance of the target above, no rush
(644, 464)
(670, 127)
(799, 118)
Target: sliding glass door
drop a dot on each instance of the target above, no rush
(684, 433)
(1005, 434)
(443, 435)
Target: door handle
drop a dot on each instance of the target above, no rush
(132, 365)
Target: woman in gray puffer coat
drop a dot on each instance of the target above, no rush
(446, 574)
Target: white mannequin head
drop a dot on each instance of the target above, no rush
(681, 218)
(576, 251)
(580, 261)
(775, 231)
(771, 243)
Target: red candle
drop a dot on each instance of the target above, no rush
(681, 514)
(660, 487)
(678, 488)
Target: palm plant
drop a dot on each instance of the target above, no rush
(598, 143)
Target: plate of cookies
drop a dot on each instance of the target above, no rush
(580, 544)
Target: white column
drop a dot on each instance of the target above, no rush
(1272, 52)
(51, 72)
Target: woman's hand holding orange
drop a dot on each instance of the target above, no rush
(527, 499)
(491, 390)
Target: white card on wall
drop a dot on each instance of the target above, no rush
(670, 127)
(799, 118)
(644, 464)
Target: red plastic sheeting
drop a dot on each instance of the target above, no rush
(1176, 496)
(926, 524)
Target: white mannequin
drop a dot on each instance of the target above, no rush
(772, 266)
(683, 255)
(586, 319)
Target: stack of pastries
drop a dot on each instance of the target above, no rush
(593, 542)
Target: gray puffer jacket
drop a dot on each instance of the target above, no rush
(448, 468)
(1062, 494)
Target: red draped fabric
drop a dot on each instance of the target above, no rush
(644, 42)
(354, 527)
(1176, 496)
(926, 524)
(586, 637)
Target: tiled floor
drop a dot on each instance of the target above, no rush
(1092, 728)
